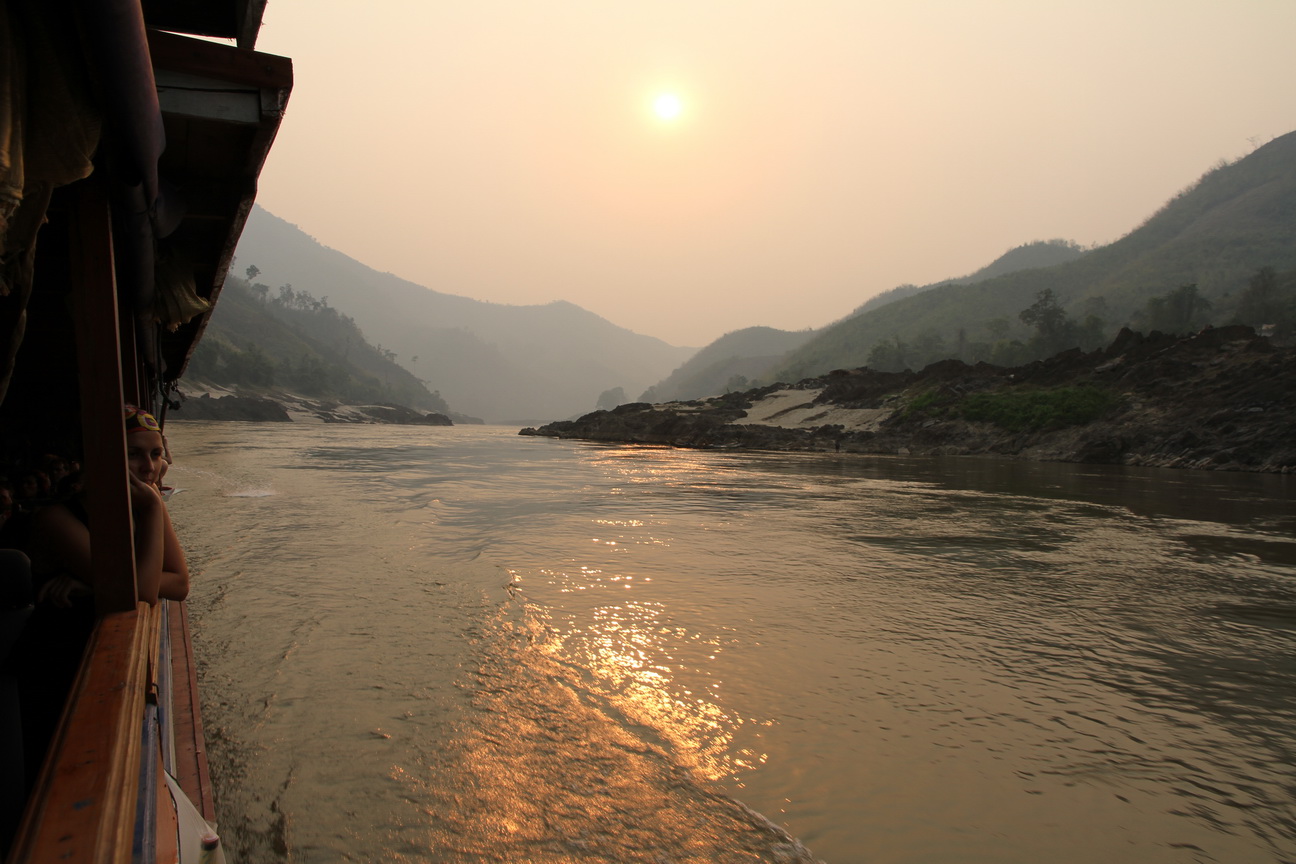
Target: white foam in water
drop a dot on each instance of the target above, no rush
(252, 493)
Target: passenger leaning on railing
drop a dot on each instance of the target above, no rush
(61, 532)
(49, 649)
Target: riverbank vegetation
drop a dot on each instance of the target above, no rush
(1033, 410)
(1224, 399)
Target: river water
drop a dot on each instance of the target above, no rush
(462, 645)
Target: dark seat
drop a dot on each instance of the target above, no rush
(15, 606)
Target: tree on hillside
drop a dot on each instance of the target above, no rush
(206, 360)
(1010, 352)
(1180, 311)
(1046, 315)
(1269, 301)
(889, 355)
(1097, 307)
(998, 327)
(250, 366)
(1260, 302)
(929, 346)
(1091, 333)
(1054, 329)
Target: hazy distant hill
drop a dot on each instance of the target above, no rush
(729, 363)
(507, 364)
(738, 359)
(1216, 235)
(1029, 256)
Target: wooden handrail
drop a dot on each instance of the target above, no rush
(190, 768)
(82, 810)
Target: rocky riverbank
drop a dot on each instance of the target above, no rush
(286, 408)
(1224, 399)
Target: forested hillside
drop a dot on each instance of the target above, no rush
(1028, 256)
(743, 358)
(1222, 251)
(287, 339)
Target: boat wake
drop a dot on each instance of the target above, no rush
(540, 770)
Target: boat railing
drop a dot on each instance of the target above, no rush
(220, 108)
(83, 807)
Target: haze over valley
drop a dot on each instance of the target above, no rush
(820, 153)
(1222, 251)
(505, 364)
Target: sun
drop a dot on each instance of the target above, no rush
(667, 106)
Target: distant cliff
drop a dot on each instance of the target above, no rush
(1223, 399)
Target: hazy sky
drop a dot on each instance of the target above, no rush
(826, 150)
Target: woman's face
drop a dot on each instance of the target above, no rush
(144, 455)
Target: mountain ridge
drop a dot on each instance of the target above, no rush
(744, 356)
(1028, 256)
(507, 364)
(1236, 219)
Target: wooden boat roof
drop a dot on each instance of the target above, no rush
(221, 108)
(200, 116)
(230, 19)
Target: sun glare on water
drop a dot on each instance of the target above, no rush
(667, 106)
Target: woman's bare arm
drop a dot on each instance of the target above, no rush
(61, 542)
(175, 569)
(150, 539)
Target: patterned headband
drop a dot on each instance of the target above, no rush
(137, 420)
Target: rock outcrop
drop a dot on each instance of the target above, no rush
(251, 408)
(287, 409)
(1223, 399)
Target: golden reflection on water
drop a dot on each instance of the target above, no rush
(540, 772)
(627, 649)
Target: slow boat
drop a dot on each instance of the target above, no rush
(132, 134)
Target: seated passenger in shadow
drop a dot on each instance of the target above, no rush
(31, 490)
(8, 524)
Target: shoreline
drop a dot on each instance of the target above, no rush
(1223, 399)
(214, 403)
